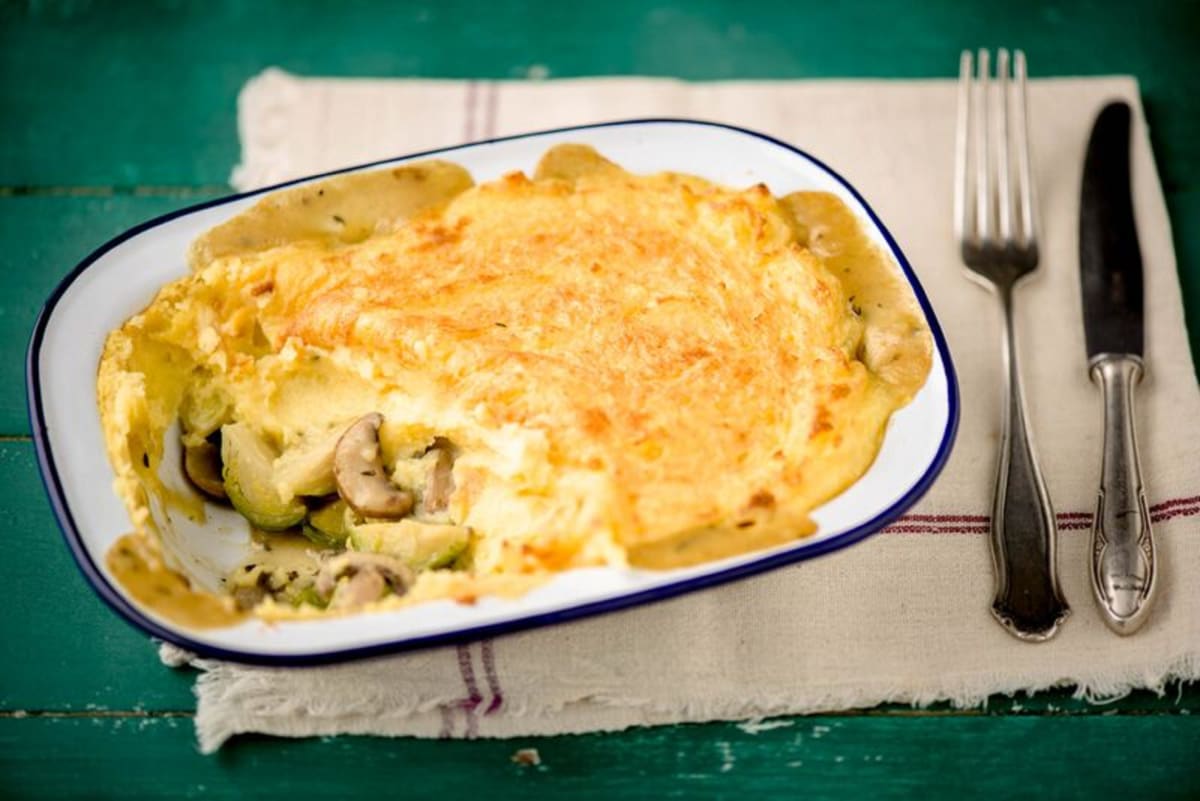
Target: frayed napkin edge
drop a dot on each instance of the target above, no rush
(222, 689)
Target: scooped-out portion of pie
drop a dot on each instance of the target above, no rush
(415, 387)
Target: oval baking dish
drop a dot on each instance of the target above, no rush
(120, 278)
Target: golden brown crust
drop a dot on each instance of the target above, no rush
(677, 356)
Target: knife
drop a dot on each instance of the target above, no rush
(1122, 555)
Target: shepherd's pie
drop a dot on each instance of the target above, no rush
(415, 387)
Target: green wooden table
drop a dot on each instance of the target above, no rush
(111, 113)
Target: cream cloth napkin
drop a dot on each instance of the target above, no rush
(902, 617)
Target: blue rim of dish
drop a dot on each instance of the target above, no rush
(132, 615)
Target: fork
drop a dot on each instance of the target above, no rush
(996, 225)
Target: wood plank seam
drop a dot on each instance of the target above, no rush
(148, 190)
(1014, 711)
(21, 714)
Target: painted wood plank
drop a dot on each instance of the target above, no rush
(148, 95)
(1090, 759)
(63, 648)
(148, 98)
(44, 238)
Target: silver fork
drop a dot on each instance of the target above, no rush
(997, 230)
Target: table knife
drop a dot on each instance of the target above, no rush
(1122, 555)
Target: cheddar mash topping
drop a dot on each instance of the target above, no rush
(430, 389)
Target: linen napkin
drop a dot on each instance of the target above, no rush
(902, 617)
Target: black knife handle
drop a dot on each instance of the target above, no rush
(1028, 601)
(1123, 563)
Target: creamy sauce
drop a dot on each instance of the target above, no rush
(139, 569)
(706, 544)
(896, 345)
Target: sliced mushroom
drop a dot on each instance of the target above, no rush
(353, 579)
(247, 598)
(361, 588)
(251, 588)
(361, 480)
(430, 477)
(397, 575)
(440, 483)
(202, 466)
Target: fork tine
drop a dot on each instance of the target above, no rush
(1026, 190)
(962, 148)
(1002, 173)
(983, 184)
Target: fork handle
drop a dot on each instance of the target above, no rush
(1123, 563)
(1028, 602)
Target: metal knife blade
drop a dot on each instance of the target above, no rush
(1109, 257)
(1123, 558)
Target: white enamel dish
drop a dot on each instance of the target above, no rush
(121, 277)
